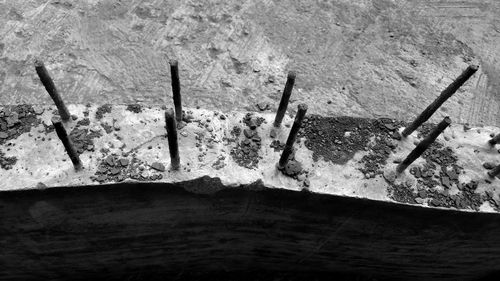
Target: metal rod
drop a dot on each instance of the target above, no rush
(445, 94)
(423, 145)
(68, 144)
(173, 145)
(49, 85)
(292, 136)
(287, 92)
(176, 89)
(494, 140)
(494, 172)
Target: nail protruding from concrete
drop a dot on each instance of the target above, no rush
(285, 98)
(445, 95)
(494, 172)
(423, 145)
(173, 145)
(68, 144)
(49, 85)
(494, 140)
(176, 89)
(292, 136)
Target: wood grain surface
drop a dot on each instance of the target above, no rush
(163, 230)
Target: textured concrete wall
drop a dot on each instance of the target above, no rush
(162, 229)
(368, 58)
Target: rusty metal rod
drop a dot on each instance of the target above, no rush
(49, 85)
(68, 144)
(292, 136)
(287, 92)
(176, 89)
(445, 95)
(423, 145)
(494, 140)
(173, 145)
(494, 172)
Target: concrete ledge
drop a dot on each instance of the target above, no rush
(345, 156)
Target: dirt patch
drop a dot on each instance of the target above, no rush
(116, 169)
(107, 128)
(337, 139)
(7, 162)
(135, 108)
(246, 152)
(101, 110)
(82, 137)
(16, 120)
(435, 178)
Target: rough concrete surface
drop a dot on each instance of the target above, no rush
(352, 157)
(368, 58)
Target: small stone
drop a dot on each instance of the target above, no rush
(488, 165)
(110, 161)
(115, 171)
(262, 106)
(184, 134)
(39, 110)
(252, 124)
(396, 135)
(390, 126)
(409, 182)
(445, 181)
(41, 185)
(124, 162)
(273, 133)
(418, 173)
(390, 176)
(292, 168)
(307, 183)
(301, 177)
(210, 129)
(158, 166)
(116, 127)
(181, 125)
(452, 175)
(422, 193)
(102, 170)
(74, 117)
(248, 133)
(101, 178)
(419, 200)
(3, 135)
(222, 117)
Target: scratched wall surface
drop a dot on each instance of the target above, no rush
(363, 58)
(158, 230)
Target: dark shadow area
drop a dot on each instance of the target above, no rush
(153, 231)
